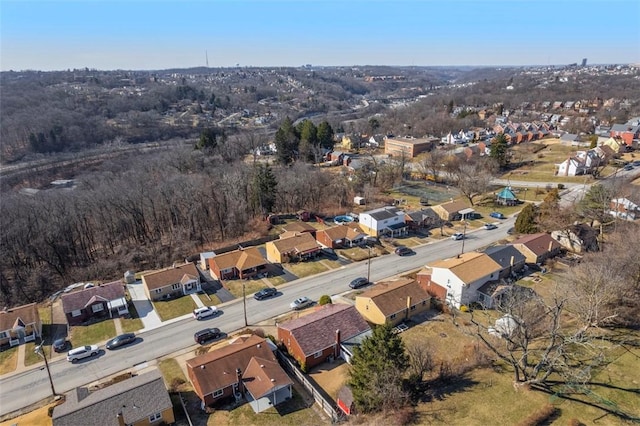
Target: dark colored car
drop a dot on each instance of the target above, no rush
(265, 293)
(403, 251)
(61, 345)
(511, 231)
(206, 334)
(497, 215)
(359, 282)
(121, 340)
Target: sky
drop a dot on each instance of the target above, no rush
(161, 34)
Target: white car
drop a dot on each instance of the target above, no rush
(457, 236)
(204, 312)
(82, 352)
(301, 303)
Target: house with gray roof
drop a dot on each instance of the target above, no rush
(139, 400)
(97, 302)
(509, 259)
(320, 336)
(387, 220)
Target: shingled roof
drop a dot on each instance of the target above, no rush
(469, 267)
(169, 276)
(391, 296)
(18, 317)
(341, 232)
(137, 398)
(317, 331)
(217, 369)
(263, 376)
(242, 259)
(539, 243)
(80, 299)
(300, 243)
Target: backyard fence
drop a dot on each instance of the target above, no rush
(326, 404)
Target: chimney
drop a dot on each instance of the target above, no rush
(550, 246)
(512, 260)
(239, 378)
(337, 350)
(408, 307)
(120, 418)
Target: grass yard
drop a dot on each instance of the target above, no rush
(250, 286)
(168, 309)
(130, 325)
(92, 334)
(173, 375)
(31, 357)
(305, 269)
(276, 281)
(37, 417)
(8, 360)
(209, 300)
(295, 412)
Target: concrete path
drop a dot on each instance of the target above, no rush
(118, 325)
(21, 352)
(197, 300)
(143, 306)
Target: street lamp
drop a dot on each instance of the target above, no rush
(38, 350)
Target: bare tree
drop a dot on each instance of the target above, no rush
(432, 162)
(473, 177)
(421, 359)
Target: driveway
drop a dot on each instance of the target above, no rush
(143, 306)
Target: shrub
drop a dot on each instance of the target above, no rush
(561, 186)
(542, 415)
(201, 350)
(303, 367)
(324, 300)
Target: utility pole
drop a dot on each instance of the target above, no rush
(369, 266)
(39, 351)
(464, 236)
(244, 304)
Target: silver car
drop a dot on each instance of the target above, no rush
(301, 303)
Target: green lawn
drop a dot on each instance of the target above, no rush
(8, 360)
(209, 300)
(168, 309)
(30, 356)
(276, 281)
(250, 286)
(305, 269)
(92, 334)
(130, 325)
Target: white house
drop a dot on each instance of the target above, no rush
(623, 208)
(385, 220)
(571, 167)
(461, 277)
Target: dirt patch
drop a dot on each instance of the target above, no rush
(331, 376)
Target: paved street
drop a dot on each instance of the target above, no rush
(27, 387)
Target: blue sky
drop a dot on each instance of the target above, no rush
(148, 34)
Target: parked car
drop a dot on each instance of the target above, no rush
(61, 345)
(457, 236)
(265, 293)
(204, 312)
(82, 352)
(511, 231)
(403, 251)
(121, 340)
(400, 328)
(206, 334)
(489, 226)
(497, 215)
(628, 167)
(301, 303)
(636, 163)
(359, 282)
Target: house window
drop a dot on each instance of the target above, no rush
(157, 291)
(3, 335)
(97, 308)
(393, 316)
(155, 417)
(413, 308)
(176, 286)
(424, 302)
(317, 354)
(76, 313)
(218, 393)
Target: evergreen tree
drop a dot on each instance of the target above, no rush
(499, 150)
(526, 221)
(263, 189)
(378, 366)
(324, 135)
(287, 141)
(308, 140)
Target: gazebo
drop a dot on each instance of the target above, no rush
(506, 197)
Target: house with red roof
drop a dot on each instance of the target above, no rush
(243, 263)
(537, 248)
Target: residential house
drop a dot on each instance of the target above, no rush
(459, 278)
(578, 238)
(318, 337)
(237, 264)
(393, 301)
(625, 132)
(299, 228)
(623, 208)
(508, 257)
(245, 368)
(172, 282)
(297, 247)
(347, 235)
(422, 219)
(572, 166)
(20, 325)
(408, 147)
(451, 210)
(138, 401)
(204, 259)
(95, 303)
(387, 220)
(615, 144)
(537, 248)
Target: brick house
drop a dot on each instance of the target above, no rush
(347, 235)
(319, 336)
(95, 303)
